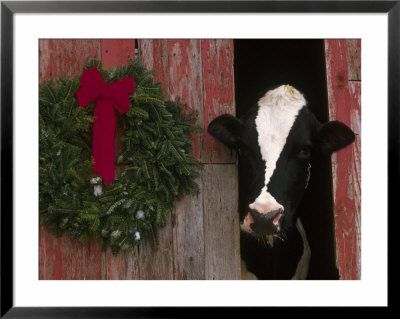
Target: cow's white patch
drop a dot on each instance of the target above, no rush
(277, 112)
(304, 262)
(245, 225)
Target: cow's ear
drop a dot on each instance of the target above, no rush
(227, 129)
(333, 136)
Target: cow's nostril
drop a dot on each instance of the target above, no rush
(273, 214)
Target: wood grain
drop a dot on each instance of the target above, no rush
(65, 258)
(154, 53)
(115, 52)
(65, 56)
(221, 222)
(188, 237)
(201, 237)
(219, 93)
(185, 82)
(158, 264)
(345, 106)
(353, 54)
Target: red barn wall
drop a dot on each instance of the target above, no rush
(343, 70)
(201, 238)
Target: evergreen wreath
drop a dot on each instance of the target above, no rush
(155, 164)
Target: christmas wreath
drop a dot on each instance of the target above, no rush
(155, 165)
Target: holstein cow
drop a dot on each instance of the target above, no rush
(275, 140)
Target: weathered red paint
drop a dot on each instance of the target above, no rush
(115, 52)
(65, 56)
(219, 96)
(63, 257)
(180, 67)
(344, 105)
(57, 275)
(155, 56)
(185, 73)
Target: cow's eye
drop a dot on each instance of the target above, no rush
(305, 153)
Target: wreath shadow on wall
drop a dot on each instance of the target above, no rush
(155, 167)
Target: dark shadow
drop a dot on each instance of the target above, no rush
(260, 64)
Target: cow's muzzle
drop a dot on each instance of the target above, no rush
(268, 223)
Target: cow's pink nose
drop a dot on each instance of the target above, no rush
(265, 223)
(273, 216)
(266, 208)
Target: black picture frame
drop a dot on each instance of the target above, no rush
(9, 8)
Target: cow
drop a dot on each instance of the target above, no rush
(275, 140)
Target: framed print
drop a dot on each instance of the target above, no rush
(137, 177)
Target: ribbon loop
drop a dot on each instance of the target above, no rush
(108, 96)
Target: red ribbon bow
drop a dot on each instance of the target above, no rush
(108, 96)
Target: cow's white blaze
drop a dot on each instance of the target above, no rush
(277, 112)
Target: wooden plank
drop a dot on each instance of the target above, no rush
(185, 82)
(115, 52)
(93, 260)
(132, 266)
(219, 93)
(344, 105)
(221, 222)
(63, 258)
(353, 53)
(78, 261)
(114, 265)
(157, 264)
(355, 114)
(47, 253)
(188, 237)
(155, 56)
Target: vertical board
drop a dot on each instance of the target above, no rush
(154, 55)
(63, 257)
(353, 54)
(219, 93)
(221, 222)
(115, 52)
(344, 95)
(157, 265)
(188, 237)
(185, 82)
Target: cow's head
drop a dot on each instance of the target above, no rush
(275, 141)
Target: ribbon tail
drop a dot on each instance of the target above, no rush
(103, 140)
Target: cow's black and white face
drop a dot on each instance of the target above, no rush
(275, 141)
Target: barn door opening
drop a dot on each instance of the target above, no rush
(260, 64)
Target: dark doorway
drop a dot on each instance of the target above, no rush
(260, 64)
